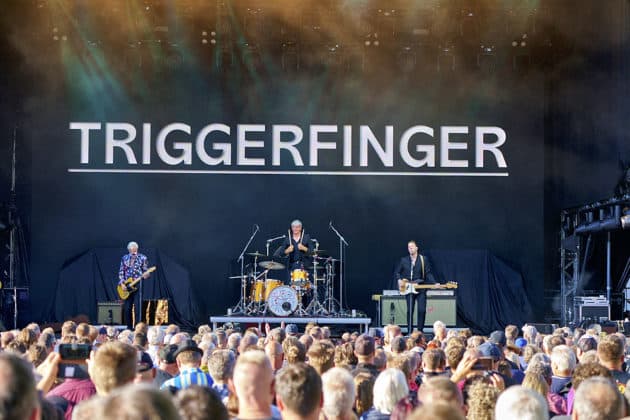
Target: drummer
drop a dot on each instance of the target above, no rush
(296, 248)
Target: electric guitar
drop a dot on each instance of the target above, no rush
(130, 283)
(407, 287)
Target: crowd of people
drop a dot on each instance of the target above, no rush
(281, 373)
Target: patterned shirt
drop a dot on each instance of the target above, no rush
(188, 377)
(132, 265)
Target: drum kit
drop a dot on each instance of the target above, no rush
(310, 291)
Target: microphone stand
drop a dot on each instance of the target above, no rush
(342, 243)
(240, 307)
(269, 241)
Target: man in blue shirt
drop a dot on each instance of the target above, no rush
(188, 358)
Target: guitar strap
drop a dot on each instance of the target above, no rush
(422, 262)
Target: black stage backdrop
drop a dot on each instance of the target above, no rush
(202, 220)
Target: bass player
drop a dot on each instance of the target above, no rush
(415, 269)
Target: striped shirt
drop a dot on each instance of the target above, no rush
(188, 377)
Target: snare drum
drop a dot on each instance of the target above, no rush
(271, 284)
(258, 291)
(299, 279)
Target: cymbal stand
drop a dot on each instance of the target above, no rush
(330, 303)
(258, 308)
(241, 306)
(315, 308)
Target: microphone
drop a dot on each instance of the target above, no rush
(276, 238)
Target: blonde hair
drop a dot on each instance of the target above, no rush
(114, 365)
(536, 382)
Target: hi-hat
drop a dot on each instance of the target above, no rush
(256, 254)
(271, 265)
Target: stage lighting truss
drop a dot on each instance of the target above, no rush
(575, 224)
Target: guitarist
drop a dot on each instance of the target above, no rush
(132, 265)
(414, 268)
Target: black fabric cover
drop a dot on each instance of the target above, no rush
(490, 293)
(92, 277)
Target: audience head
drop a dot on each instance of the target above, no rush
(200, 403)
(517, 402)
(299, 391)
(253, 382)
(274, 352)
(440, 388)
(112, 366)
(321, 356)
(363, 386)
(18, 396)
(610, 351)
(563, 360)
(137, 401)
(390, 386)
(598, 398)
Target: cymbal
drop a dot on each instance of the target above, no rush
(244, 276)
(312, 267)
(271, 265)
(256, 254)
(318, 251)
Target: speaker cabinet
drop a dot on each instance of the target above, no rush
(595, 312)
(441, 305)
(394, 310)
(110, 313)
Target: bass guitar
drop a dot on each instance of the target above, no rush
(130, 284)
(407, 287)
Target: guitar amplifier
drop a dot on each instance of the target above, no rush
(109, 313)
(441, 305)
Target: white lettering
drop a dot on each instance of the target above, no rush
(347, 145)
(446, 145)
(315, 144)
(225, 148)
(481, 147)
(427, 149)
(85, 137)
(366, 136)
(111, 142)
(243, 144)
(146, 144)
(278, 144)
(186, 148)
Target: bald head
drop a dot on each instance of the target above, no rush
(253, 384)
(274, 352)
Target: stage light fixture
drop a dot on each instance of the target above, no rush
(446, 57)
(406, 59)
(486, 58)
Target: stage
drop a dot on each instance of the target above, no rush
(363, 323)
